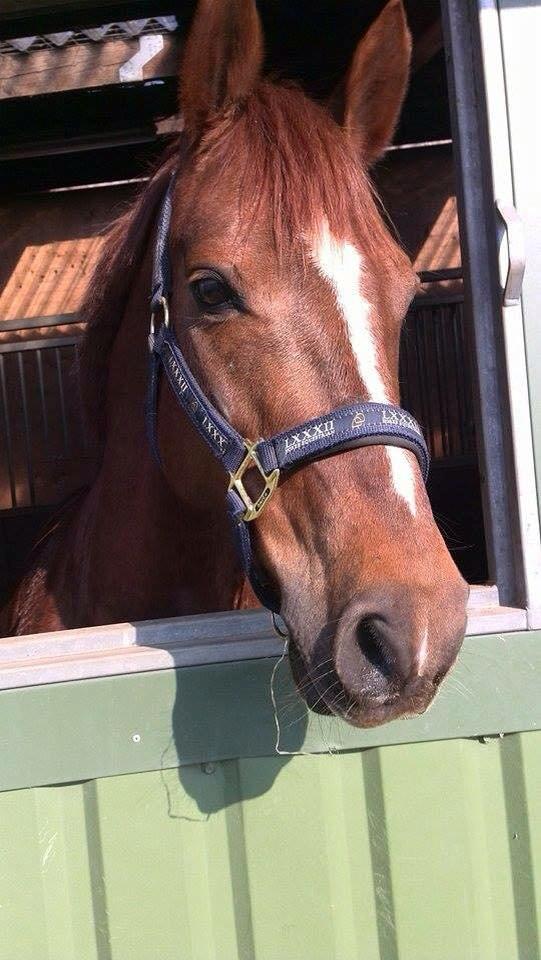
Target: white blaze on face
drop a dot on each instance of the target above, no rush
(423, 649)
(341, 265)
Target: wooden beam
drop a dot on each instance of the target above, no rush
(19, 8)
(35, 17)
(25, 9)
(77, 66)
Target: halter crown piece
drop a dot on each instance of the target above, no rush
(347, 427)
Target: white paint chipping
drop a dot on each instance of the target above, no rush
(341, 264)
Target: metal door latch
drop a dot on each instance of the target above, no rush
(516, 249)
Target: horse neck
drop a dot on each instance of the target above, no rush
(145, 554)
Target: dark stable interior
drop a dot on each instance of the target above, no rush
(309, 41)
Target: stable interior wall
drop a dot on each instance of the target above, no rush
(50, 243)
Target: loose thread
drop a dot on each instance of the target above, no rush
(331, 749)
(285, 637)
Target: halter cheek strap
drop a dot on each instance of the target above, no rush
(347, 427)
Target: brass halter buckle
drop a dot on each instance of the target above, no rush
(252, 510)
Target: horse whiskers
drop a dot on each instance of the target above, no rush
(312, 680)
(303, 716)
(322, 697)
(291, 700)
(309, 683)
(349, 709)
(295, 720)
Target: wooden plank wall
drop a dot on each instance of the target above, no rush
(81, 65)
(49, 247)
(417, 187)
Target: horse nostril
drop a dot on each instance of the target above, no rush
(373, 655)
(374, 648)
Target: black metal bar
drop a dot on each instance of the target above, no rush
(451, 375)
(7, 434)
(435, 322)
(44, 344)
(458, 358)
(27, 448)
(405, 380)
(423, 355)
(53, 320)
(65, 145)
(82, 418)
(42, 396)
(446, 273)
(475, 197)
(62, 398)
(437, 297)
(441, 339)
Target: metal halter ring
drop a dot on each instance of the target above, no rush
(165, 313)
(252, 510)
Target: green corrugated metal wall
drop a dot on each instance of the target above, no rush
(430, 850)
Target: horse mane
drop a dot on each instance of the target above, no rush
(289, 156)
(109, 287)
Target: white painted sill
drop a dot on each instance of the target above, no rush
(124, 648)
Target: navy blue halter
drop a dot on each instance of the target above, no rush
(347, 427)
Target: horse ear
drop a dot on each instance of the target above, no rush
(376, 82)
(222, 60)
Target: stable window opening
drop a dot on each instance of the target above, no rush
(456, 375)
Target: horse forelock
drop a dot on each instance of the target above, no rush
(294, 164)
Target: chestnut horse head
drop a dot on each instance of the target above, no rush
(288, 294)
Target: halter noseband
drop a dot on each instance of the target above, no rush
(347, 427)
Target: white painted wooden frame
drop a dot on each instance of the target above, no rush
(181, 642)
(519, 27)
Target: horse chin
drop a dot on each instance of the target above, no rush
(335, 699)
(305, 686)
(374, 714)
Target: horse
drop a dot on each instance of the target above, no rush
(288, 291)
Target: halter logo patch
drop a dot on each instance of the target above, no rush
(319, 431)
(400, 419)
(359, 419)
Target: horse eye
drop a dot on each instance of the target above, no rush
(211, 292)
